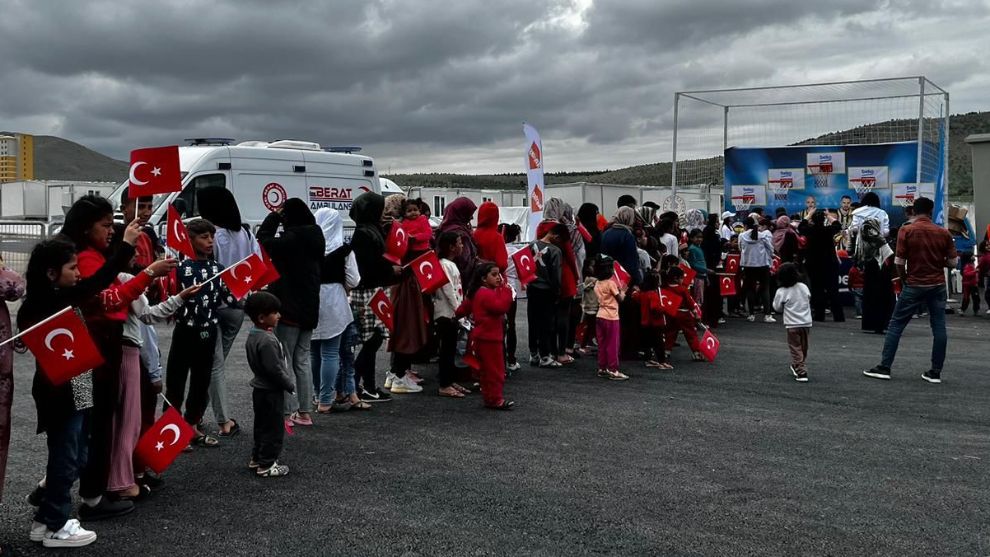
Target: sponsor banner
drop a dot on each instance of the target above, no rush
(905, 194)
(534, 176)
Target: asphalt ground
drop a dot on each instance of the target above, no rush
(731, 458)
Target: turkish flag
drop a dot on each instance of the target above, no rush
(732, 263)
(62, 346)
(244, 276)
(897, 286)
(163, 441)
(525, 266)
(429, 272)
(381, 306)
(727, 284)
(670, 302)
(397, 244)
(271, 273)
(154, 170)
(775, 265)
(177, 236)
(620, 275)
(689, 274)
(709, 345)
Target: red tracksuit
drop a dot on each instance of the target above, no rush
(653, 322)
(684, 321)
(488, 308)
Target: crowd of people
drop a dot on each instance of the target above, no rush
(601, 286)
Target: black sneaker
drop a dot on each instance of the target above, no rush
(153, 482)
(104, 509)
(878, 372)
(932, 376)
(801, 377)
(37, 496)
(377, 396)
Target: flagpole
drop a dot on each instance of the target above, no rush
(36, 325)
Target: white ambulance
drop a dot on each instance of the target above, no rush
(263, 175)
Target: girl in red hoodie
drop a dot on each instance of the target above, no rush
(970, 285)
(490, 242)
(487, 301)
(653, 320)
(687, 314)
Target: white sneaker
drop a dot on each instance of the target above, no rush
(404, 385)
(389, 378)
(513, 366)
(769, 319)
(38, 531)
(751, 318)
(71, 535)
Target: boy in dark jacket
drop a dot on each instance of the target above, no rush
(544, 294)
(297, 253)
(271, 382)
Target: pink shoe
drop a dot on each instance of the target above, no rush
(414, 376)
(299, 419)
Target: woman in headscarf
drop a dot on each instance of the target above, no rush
(571, 279)
(338, 273)
(823, 266)
(368, 244)
(232, 242)
(874, 256)
(457, 219)
(588, 217)
(393, 209)
(785, 240)
(296, 253)
(619, 243)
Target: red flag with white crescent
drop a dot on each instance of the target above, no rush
(709, 345)
(381, 306)
(154, 170)
(242, 277)
(162, 443)
(271, 273)
(775, 265)
(429, 272)
(727, 284)
(670, 301)
(63, 347)
(620, 274)
(397, 243)
(732, 263)
(177, 236)
(525, 265)
(689, 274)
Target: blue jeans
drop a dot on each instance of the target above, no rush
(67, 454)
(325, 354)
(911, 300)
(349, 340)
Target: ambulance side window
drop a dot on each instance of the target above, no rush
(188, 195)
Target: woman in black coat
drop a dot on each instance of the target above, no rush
(823, 266)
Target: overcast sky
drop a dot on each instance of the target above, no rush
(445, 86)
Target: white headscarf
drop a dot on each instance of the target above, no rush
(333, 228)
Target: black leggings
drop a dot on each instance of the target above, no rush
(193, 361)
(364, 363)
(541, 314)
(757, 283)
(447, 335)
(510, 333)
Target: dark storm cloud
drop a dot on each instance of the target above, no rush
(438, 85)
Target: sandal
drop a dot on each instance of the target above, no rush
(327, 408)
(450, 392)
(360, 405)
(461, 388)
(207, 441)
(143, 493)
(504, 405)
(234, 430)
(664, 365)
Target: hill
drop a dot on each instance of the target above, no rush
(658, 174)
(60, 159)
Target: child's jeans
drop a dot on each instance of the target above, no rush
(971, 292)
(797, 342)
(858, 300)
(345, 378)
(269, 428)
(608, 344)
(325, 366)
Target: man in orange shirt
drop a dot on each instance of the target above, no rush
(924, 250)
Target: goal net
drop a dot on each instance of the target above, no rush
(877, 111)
